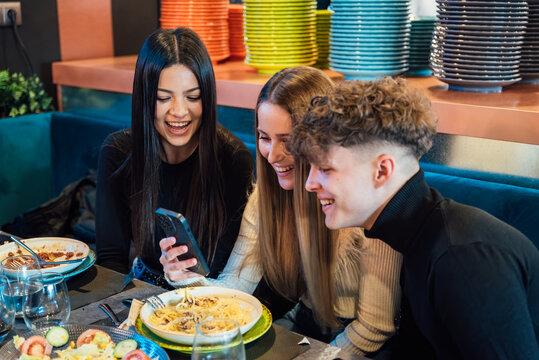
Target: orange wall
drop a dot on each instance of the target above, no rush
(85, 29)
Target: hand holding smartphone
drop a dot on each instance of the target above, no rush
(175, 224)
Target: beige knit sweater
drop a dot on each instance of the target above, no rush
(367, 287)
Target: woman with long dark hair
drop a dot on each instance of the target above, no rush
(174, 156)
(347, 284)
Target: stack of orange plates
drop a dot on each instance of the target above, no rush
(235, 28)
(209, 18)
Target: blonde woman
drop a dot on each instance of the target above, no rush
(347, 284)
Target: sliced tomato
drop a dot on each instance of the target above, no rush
(36, 346)
(136, 355)
(89, 335)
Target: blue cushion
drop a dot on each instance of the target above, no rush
(76, 141)
(527, 182)
(25, 164)
(515, 205)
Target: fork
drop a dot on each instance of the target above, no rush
(156, 302)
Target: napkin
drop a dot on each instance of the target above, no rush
(134, 312)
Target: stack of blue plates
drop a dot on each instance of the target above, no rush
(420, 40)
(369, 38)
(477, 43)
(529, 63)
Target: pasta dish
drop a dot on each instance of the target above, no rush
(190, 310)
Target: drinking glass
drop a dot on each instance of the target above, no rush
(7, 310)
(211, 345)
(50, 306)
(18, 269)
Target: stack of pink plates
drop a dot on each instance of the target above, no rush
(477, 43)
(235, 29)
(209, 18)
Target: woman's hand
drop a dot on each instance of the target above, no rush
(175, 269)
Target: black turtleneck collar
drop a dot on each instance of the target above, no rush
(402, 217)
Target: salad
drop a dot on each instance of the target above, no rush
(92, 344)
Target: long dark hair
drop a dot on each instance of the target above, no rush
(205, 207)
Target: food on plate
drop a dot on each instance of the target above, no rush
(183, 316)
(48, 256)
(126, 347)
(57, 336)
(136, 355)
(92, 344)
(35, 346)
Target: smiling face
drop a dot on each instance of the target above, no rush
(274, 126)
(178, 112)
(346, 188)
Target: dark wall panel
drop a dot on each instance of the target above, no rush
(132, 22)
(39, 32)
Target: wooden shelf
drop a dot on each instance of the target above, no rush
(512, 115)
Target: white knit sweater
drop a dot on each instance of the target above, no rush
(367, 287)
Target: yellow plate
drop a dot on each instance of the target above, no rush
(260, 328)
(279, 40)
(280, 53)
(270, 69)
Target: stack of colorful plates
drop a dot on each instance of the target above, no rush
(420, 40)
(323, 19)
(235, 30)
(369, 38)
(209, 18)
(529, 63)
(279, 33)
(477, 43)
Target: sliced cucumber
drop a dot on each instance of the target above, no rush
(57, 336)
(123, 347)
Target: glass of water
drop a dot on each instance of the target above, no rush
(50, 306)
(18, 269)
(7, 309)
(217, 339)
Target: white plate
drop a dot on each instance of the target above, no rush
(79, 248)
(174, 296)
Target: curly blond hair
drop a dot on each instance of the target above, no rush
(357, 113)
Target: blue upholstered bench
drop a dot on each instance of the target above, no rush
(512, 199)
(41, 154)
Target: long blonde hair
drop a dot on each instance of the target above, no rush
(280, 253)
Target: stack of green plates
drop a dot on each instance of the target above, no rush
(323, 22)
(279, 34)
(420, 40)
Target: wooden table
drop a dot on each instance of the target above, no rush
(101, 285)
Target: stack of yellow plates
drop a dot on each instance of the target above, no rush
(235, 29)
(279, 33)
(209, 18)
(323, 22)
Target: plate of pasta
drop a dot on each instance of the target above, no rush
(186, 307)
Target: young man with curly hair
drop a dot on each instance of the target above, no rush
(470, 281)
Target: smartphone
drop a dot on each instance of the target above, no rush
(175, 224)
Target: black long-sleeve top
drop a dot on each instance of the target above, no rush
(113, 222)
(470, 281)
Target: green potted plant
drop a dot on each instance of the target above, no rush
(20, 95)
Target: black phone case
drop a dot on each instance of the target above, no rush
(175, 224)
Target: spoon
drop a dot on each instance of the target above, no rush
(40, 260)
